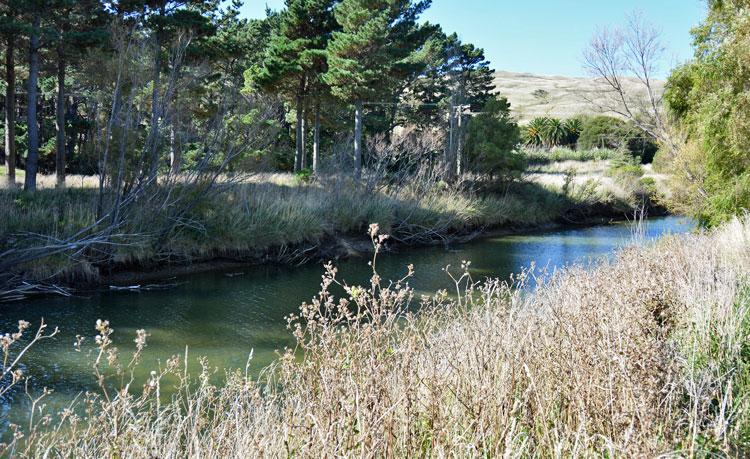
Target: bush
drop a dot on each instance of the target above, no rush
(601, 132)
(492, 139)
(534, 156)
(608, 132)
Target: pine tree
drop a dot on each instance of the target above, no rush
(296, 60)
(10, 28)
(370, 53)
(34, 11)
(78, 25)
(165, 19)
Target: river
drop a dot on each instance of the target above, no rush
(223, 316)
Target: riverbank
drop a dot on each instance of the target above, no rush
(662, 369)
(281, 219)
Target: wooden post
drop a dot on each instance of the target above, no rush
(358, 140)
(450, 154)
(298, 151)
(316, 140)
(459, 158)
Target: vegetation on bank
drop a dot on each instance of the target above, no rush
(489, 370)
(710, 102)
(283, 217)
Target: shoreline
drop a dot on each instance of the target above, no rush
(333, 248)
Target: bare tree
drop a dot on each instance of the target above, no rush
(625, 61)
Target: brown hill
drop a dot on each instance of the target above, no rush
(531, 96)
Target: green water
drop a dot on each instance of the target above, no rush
(223, 318)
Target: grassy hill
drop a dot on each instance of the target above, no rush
(562, 96)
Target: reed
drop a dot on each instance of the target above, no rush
(641, 356)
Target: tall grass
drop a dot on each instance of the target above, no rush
(641, 356)
(274, 212)
(557, 154)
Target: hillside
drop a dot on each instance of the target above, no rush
(564, 97)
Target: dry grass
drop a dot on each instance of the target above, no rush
(567, 96)
(642, 356)
(268, 213)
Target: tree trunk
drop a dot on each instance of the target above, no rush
(298, 135)
(358, 140)
(154, 133)
(459, 138)
(33, 128)
(60, 118)
(304, 141)
(175, 155)
(10, 111)
(316, 141)
(71, 140)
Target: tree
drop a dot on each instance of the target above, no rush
(710, 102)
(78, 25)
(573, 128)
(456, 78)
(296, 60)
(602, 132)
(168, 21)
(10, 28)
(492, 139)
(624, 62)
(371, 52)
(34, 10)
(553, 132)
(533, 133)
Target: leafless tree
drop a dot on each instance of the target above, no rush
(625, 62)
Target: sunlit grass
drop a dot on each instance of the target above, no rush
(277, 212)
(641, 356)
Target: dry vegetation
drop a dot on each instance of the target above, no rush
(657, 362)
(273, 217)
(566, 97)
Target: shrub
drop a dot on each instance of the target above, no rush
(601, 132)
(492, 139)
(614, 133)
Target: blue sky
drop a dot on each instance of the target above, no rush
(548, 36)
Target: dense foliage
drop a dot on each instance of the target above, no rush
(492, 139)
(588, 133)
(710, 98)
(157, 79)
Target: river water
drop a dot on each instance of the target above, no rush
(223, 316)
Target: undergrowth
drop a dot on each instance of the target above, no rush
(644, 355)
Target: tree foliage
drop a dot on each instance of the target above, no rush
(492, 139)
(710, 100)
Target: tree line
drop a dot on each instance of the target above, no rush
(134, 89)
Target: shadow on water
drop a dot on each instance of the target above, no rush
(223, 318)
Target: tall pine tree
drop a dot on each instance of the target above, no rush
(369, 55)
(78, 25)
(11, 27)
(296, 60)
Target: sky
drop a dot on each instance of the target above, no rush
(548, 36)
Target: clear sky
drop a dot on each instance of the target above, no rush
(548, 36)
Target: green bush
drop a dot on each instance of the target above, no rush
(492, 139)
(601, 132)
(609, 132)
(535, 156)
